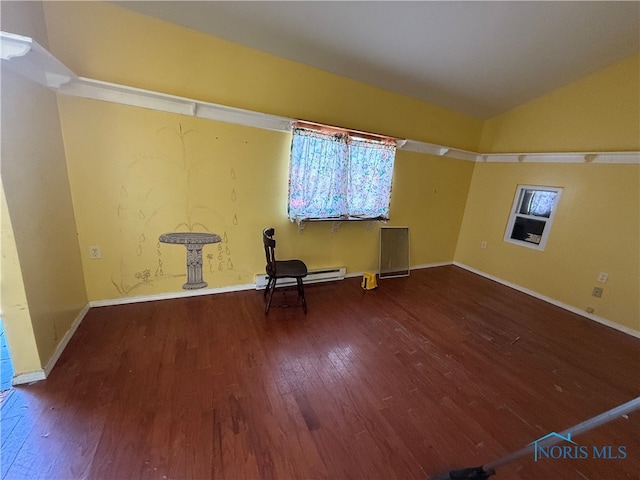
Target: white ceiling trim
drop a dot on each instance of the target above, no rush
(37, 64)
(564, 157)
(27, 57)
(136, 97)
(438, 150)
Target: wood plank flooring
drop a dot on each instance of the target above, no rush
(441, 370)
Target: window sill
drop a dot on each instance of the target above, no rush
(345, 219)
(337, 221)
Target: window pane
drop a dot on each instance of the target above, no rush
(537, 202)
(528, 230)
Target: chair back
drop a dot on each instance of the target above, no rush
(269, 250)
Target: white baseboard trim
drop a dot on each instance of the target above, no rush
(37, 375)
(212, 291)
(30, 377)
(431, 265)
(413, 267)
(171, 295)
(557, 303)
(42, 374)
(65, 340)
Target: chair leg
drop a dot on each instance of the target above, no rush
(266, 290)
(301, 294)
(268, 306)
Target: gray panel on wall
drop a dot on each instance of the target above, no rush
(394, 252)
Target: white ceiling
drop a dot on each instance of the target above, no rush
(477, 57)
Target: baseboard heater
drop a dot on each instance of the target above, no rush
(314, 276)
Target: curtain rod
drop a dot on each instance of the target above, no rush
(333, 129)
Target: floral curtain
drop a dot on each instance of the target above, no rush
(333, 176)
(370, 174)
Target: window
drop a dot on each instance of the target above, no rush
(338, 174)
(531, 216)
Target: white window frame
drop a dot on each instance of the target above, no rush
(514, 214)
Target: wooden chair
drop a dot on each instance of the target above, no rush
(281, 269)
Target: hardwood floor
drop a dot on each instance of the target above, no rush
(441, 370)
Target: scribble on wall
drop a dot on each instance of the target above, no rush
(221, 261)
(159, 272)
(149, 205)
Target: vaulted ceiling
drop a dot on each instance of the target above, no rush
(477, 57)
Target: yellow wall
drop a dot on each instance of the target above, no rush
(137, 173)
(106, 42)
(600, 112)
(15, 309)
(36, 186)
(134, 176)
(597, 225)
(596, 229)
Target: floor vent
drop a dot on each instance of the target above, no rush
(314, 276)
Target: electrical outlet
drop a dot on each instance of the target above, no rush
(483, 244)
(95, 252)
(597, 292)
(603, 277)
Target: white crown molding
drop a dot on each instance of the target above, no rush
(137, 97)
(14, 45)
(243, 117)
(438, 150)
(26, 57)
(631, 158)
(111, 92)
